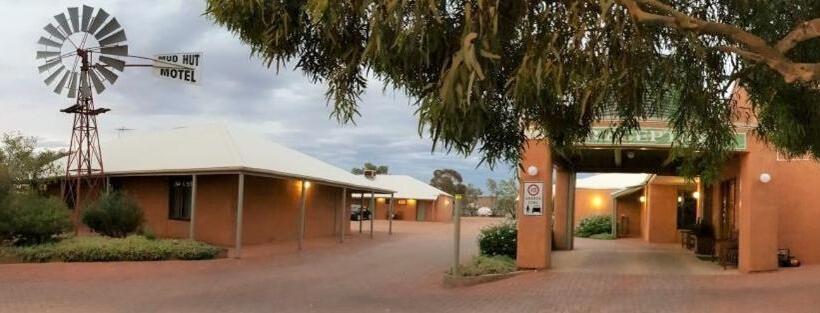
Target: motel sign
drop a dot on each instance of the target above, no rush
(178, 66)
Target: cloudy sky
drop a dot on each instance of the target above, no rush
(236, 90)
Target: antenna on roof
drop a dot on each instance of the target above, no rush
(122, 130)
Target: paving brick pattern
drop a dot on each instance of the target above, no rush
(402, 274)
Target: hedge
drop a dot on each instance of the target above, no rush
(104, 249)
(593, 225)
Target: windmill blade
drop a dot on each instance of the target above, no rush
(61, 84)
(49, 42)
(112, 62)
(50, 79)
(97, 21)
(115, 38)
(47, 54)
(54, 32)
(110, 76)
(63, 23)
(73, 13)
(87, 11)
(49, 64)
(98, 85)
(115, 50)
(108, 28)
(72, 86)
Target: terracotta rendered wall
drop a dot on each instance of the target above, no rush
(406, 211)
(535, 232)
(783, 213)
(630, 206)
(591, 202)
(662, 213)
(443, 209)
(561, 209)
(270, 213)
(216, 207)
(272, 207)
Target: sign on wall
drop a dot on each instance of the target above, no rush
(182, 67)
(646, 137)
(533, 199)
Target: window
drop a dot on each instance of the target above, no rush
(179, 206)
(687, 209)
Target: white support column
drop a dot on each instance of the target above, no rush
(302, 215)
(342, 218)
(372, 211)
(192, 222)
(240, 204)
(361, 211)
(390, 214)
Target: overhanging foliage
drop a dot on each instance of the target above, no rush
(484, 71)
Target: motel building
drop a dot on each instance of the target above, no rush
(761, 203)
(413, 200)
(231, 189)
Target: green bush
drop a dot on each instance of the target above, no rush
(104, 249)
(593, 225)
(32, 219)
(484, 265)
(499, 239)
(114, 215)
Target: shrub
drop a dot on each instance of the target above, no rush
(599, 224)
(484, 265)
(32, 219)
(114, 215)
(603, 236)
(104, 249)
(499, 239)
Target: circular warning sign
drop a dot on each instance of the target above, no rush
(533, 190)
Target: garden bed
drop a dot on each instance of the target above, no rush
(105, 249)
(482, 269)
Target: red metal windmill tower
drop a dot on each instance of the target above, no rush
(79, 52)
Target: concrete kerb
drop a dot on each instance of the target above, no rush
(451, 281)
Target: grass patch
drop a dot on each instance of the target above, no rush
(105, 249)
(602, 236)
(484, 265)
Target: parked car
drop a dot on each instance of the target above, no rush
(359, 214)
(484, 211)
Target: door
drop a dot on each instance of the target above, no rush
(728, 209)
(421, 211)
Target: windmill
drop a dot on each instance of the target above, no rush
(81, 54)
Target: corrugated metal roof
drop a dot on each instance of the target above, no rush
(407, 187)
(611, 181)
(216, 148)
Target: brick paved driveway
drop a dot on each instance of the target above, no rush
(399, 274)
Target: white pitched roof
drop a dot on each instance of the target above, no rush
(611, 181)
(407, 187)
(218, 148)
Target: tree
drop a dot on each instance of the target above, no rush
(507, 198)
(22, 164)
(380, 169)
(449, 181)
(556, 67)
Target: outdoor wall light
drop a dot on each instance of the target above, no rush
(532, 170)
(307, 184)
(765, 178)
(597, 202)
(680, 199)
(696, 195)
(642, 199)
(630, 155)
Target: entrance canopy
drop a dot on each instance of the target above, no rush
(648, 150)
